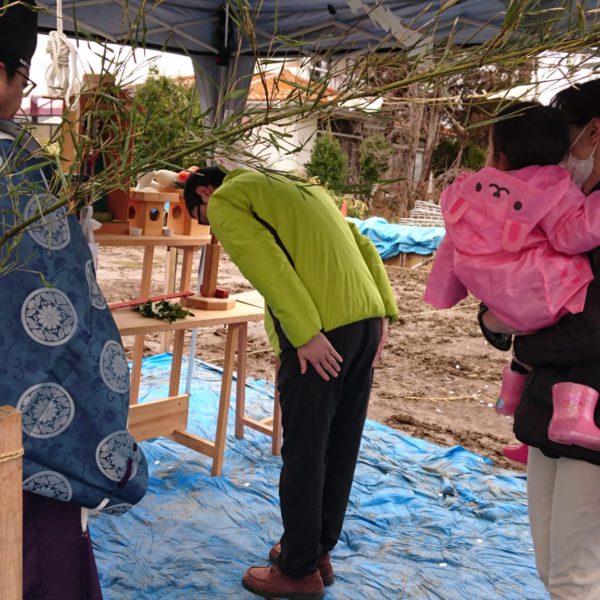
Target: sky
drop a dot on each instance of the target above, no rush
(554, 73)
(89, 61)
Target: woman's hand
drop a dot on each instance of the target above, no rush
(321, 355)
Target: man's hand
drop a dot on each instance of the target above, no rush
(385, 323)
(321, 355)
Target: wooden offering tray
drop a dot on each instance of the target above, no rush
(208, 303)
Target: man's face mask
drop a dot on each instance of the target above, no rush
(580, 168)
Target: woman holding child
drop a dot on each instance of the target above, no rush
(563, 481)
(537, 238)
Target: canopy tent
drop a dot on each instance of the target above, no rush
(224, 54)
(225, 37)
(283, 27)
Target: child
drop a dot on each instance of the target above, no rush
(515, 231)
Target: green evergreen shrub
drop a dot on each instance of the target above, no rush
(328, 163)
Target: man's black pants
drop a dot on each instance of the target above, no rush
(322, 428)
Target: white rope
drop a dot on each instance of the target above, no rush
(62, 77)
(88, 226)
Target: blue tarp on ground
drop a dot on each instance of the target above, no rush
(424, 522)
(391, 239)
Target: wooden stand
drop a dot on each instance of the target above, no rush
(188, 244)
(270, 425)
(11, 506)
(168, 416)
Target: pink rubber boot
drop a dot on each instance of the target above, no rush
(573, 418)
(510, 392)
(516, 452)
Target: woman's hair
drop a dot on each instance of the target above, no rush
(528, 133)
(580, 103)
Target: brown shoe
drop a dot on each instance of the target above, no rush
(272, 582)
(323, 564)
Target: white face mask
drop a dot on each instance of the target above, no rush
(580, 168)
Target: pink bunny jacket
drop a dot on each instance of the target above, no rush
(514, 239)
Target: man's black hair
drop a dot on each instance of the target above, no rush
(18, 35)
(530, 134)
(580, 102)
(207, 176)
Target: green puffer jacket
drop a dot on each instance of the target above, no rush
(315, 271)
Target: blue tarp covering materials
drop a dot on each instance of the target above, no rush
(391, 239)
(424, 522)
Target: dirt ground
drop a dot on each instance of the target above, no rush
(437, 380)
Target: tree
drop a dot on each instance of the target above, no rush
(449, 154)
(167, 116)
(328, 162)
(415, 115)
(375, 153)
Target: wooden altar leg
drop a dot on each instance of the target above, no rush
(169, 288)
(136, 368)
(240, 386)
(146, 282)
(186, 269)
(230, 348)
(269, 425)
(11, 507)
(176, 362)
(138, 344)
